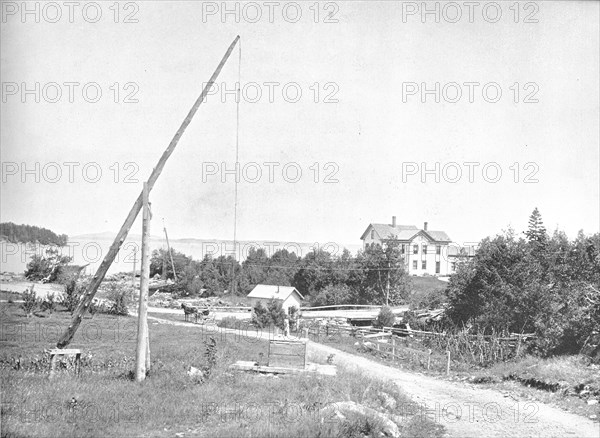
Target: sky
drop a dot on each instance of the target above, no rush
(364, 140)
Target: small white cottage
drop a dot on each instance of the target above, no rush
(288, 295)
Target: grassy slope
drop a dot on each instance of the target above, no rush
(168, 402)
(425, 284)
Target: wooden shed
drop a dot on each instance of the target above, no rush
(288, 295)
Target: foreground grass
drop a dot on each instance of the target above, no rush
(169, 402)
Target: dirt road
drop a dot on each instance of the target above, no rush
(469, 411)
(464, 410)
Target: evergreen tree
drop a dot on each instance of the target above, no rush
(536, 233)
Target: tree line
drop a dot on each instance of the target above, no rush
(533, 283)
(31, 234)
(375, 275)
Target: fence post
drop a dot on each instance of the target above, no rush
(393, 346)
(448, 364)
(429, 360)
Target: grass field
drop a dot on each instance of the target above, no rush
(169, 402)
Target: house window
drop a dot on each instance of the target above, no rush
(402, 249)
(424, 249)
(437, 267)
(424, 264)
(438, 249)
(415, 249)
(453, 266)
(415, 264)
(372, 234)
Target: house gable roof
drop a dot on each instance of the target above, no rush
(384, 231)
(269, 291)
(404, 232)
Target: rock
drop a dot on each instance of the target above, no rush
(195, 372)
(348, 408)
(592, 402)
(389, 402)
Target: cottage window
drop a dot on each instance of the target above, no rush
(453, 266)
(402, 249)
(438, 249)
(415, 266)
(424, 249)
(415, 249)
(424, 264)
(437, 267)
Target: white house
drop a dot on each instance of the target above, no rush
(288, 295)
(426, 252)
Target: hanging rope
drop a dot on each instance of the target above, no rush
(237, 155)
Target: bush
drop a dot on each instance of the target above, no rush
(385, 318)
(72, 295)
(272, 315)
(121, 296)
(50, 303)
(260, 315)
(30, 301)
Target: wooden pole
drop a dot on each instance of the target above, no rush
(429, 359)
(67, 336)
(448, 363)
(142, 335)
(133, 274)
(169, 249)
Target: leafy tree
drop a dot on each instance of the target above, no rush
(314, 272)
(542, 285)
(384, 278)
(333, 294)
(160, 259)
(30, 302)
(253, 269)
(48, 267)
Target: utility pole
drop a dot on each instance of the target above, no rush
(143, 341)
(92, 288)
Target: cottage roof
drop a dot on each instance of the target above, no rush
(269, 291)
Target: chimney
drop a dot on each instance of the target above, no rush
(394, 221)
(425, 226)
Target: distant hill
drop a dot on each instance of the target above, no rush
(31, 234)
